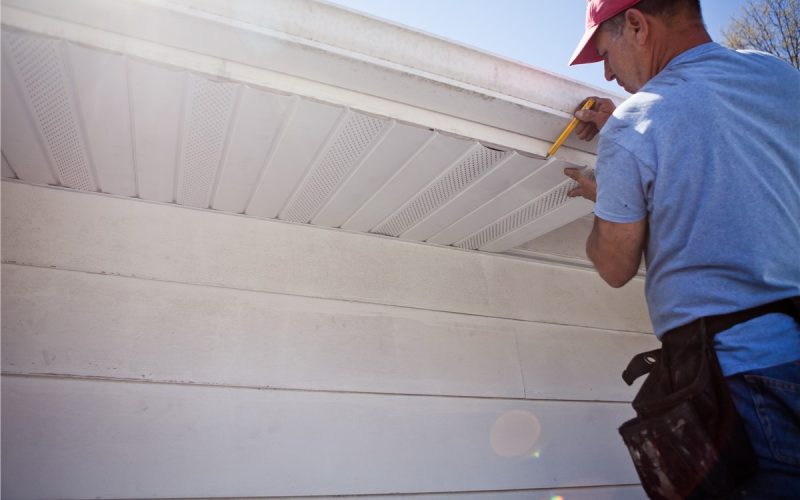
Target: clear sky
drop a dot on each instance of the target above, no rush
(542, 33)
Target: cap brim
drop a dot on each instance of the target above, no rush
(586, 51)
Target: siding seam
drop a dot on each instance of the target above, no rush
(514, 255)
(316, 297)
(121, 380)
(412, 494)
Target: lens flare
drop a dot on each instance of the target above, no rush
(515, 433)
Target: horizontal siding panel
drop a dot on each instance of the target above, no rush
(89, 325)
(631, 492)
(104, 234)
(142, 440)
(559, 362)
(74, 323)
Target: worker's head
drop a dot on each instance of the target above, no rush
(635, 38)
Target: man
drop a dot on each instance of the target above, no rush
(699, 170)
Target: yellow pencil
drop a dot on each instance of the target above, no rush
(572, 124)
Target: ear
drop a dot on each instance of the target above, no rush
(638, 25)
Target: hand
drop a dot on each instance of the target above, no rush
(592, 120)
(587, 186)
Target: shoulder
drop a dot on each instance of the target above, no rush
(633, 124)
(667, 103)
(714, 62)
(765, 59)
(639, 108)
(648, 121)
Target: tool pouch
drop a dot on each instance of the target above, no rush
(687, 440)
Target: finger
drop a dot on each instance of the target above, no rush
(573, 173)
(574, 193)
(588, 132)
(585, 115)
(583, 102)
(585, 132)
(598, 118)
(604, 104)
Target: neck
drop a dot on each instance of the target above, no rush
(673, 39)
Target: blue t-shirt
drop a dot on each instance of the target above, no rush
(709, 151)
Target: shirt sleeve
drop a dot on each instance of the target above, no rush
(621, 194)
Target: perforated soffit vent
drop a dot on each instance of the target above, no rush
(91, 120)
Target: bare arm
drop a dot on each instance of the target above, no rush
(616, 249)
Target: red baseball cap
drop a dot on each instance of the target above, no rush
(597, 12)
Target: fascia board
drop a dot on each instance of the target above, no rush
(180, 35)
(361, 33)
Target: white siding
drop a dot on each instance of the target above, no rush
(99, 234)
(156, 351)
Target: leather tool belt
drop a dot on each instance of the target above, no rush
(687, 439)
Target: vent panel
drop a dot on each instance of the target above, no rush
(253, 133)
(355, 137)
(400, 143)
(455, 180)
(528, 213)
(156, 97)
(307, 126)
(210, 108)
(506, 172)
(101, 97)
(438, 154)
(22, 146)
(94, 119)
(42, 75)
(541, 178)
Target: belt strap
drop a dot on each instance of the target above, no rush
(722, 322)
(642, 363)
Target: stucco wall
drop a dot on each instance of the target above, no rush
(150, 350)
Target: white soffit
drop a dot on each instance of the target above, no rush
(99, 111)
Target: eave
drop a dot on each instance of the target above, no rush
(441, 110)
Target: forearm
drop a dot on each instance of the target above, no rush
(616, 250)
